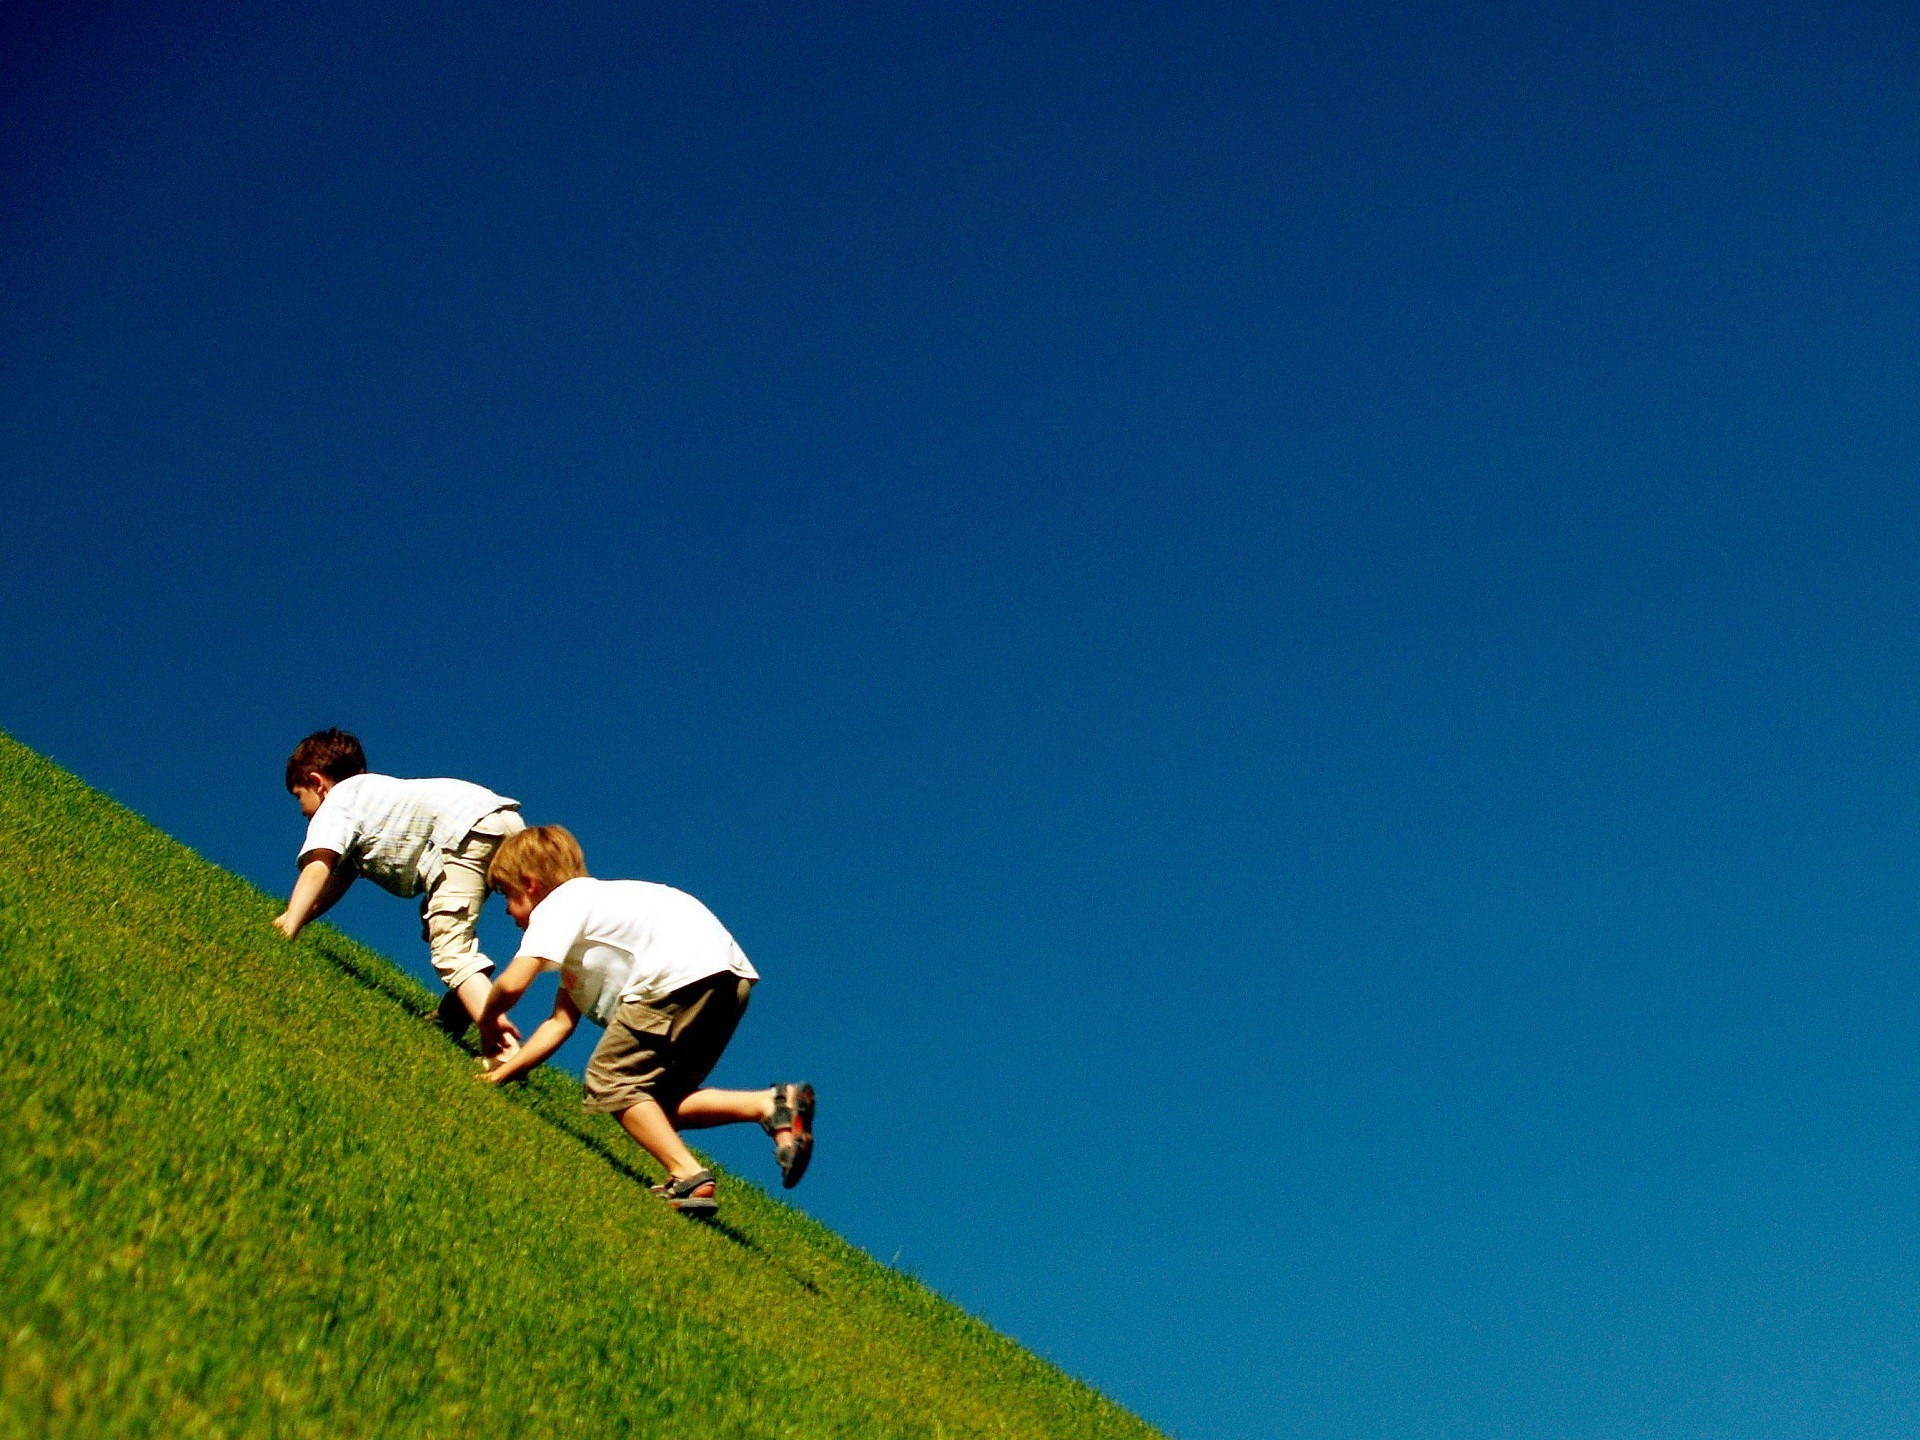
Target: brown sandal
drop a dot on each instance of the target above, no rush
(691, 1196)
(792, 1112)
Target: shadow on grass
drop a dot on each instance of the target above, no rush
(379, 977)
(447, 1015)
(382, 980)
(536, 1103)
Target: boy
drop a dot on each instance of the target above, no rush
(664, 977)
(432, 838)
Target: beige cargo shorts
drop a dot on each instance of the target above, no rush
(450, 910)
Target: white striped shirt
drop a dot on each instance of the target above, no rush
(394, 832)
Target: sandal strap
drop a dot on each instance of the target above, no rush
(782, 1116)
(680, 1189)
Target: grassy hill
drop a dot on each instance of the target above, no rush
(249, 1190)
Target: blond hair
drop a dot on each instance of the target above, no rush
(545, 853)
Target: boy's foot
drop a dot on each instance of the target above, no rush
(451, 1016)
(691, 1196)
(793, 1113)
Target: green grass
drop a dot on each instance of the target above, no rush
(248, 1189)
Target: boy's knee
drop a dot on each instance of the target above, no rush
(456, 970)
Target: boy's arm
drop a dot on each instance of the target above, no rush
(505, 992)
(550, 1035)
(508, 986)
(338, 883)
(323, 880)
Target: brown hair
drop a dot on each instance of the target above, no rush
(547, 853)
(332, 753)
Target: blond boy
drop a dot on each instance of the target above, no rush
(431, 838)
(664, 977)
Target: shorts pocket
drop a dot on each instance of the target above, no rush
(441, 913)
(644, 1019)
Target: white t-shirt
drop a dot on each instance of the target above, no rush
(394, 832)
(619, 940)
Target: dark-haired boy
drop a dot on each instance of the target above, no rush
(431, 838)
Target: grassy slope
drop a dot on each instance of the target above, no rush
(248, 1190)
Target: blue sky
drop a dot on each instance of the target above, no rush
(1288, 635)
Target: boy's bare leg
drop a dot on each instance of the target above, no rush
(792, 1140)
(647, 1123)
(473, 995)
(704, 1109)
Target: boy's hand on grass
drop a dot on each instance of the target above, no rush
(499, 1036)
(494, 1071)
(499, 1046)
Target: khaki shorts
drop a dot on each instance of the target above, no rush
(661, 1050)
(450, 910)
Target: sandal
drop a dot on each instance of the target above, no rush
(792, 1112)
(691, 1196)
